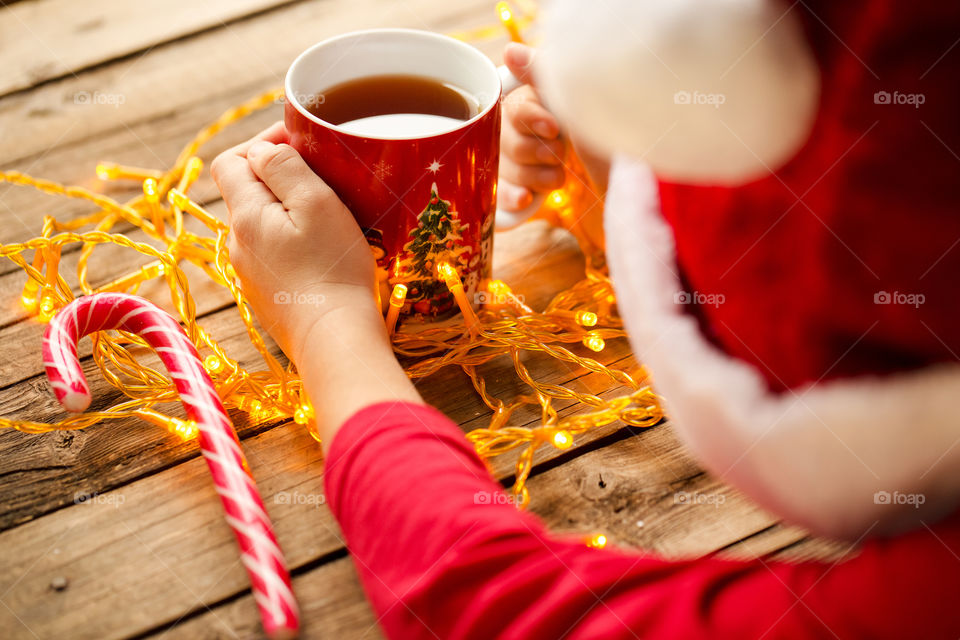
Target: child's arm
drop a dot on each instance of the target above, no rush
(309, 275)
(443, 554)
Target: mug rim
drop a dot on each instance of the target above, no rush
(290, 96)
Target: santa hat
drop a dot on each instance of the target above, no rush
(797, 310)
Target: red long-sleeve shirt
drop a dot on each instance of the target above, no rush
(442, 555)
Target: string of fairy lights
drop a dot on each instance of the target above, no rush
(580, 319)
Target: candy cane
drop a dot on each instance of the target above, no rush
(244, 509)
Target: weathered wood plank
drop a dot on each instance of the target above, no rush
(332, 605)
(764, 543)
(47, 39)
(145, 554)
(817, 549)
(645, 492)
(210, 71)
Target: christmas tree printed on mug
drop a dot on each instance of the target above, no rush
(438, 237)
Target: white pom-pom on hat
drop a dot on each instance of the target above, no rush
(706, 91)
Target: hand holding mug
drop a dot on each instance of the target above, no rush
(532, 151)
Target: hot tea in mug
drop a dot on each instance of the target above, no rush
(392, 104)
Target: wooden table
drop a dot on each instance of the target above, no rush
(116, 531)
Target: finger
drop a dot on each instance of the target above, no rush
(519, 59)
(236, 181)
(512, 197)
(243, 193)
(527, 115)
(537, 178)
(288, 176)
(524, 149)
(275, 133)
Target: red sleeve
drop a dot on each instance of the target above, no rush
(442, 554)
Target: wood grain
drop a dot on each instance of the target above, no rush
(205, 73)
(46, 39)
(331, 602)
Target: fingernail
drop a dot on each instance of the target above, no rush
(543, 129)
(522, 55)
(257, 148)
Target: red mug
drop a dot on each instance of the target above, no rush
(420, 199)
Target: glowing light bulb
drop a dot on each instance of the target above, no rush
(250, 405)
(562, 439)
(48, 307)
(594, 342)
(447, 272)
(150, 191)
(509, 23)
(213, 364)
(29, 301)
(186, 429)
(112, 171)
(399, 295)
(147, 272)
(397, 299)
(596, 541)
(179, 199)
(452, 280)
(303, 415)
(583, 317)
(193, 169)
(586, 318)
(558, 198)
(501, 294)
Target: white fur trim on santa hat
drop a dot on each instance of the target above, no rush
(841, 458)
(717, 91)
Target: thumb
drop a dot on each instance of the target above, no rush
(519, 59)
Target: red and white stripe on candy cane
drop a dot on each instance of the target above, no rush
(244, 510)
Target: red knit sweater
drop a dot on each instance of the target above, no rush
(440, 557)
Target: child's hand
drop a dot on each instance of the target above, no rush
(296, 248)
(532, 151)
